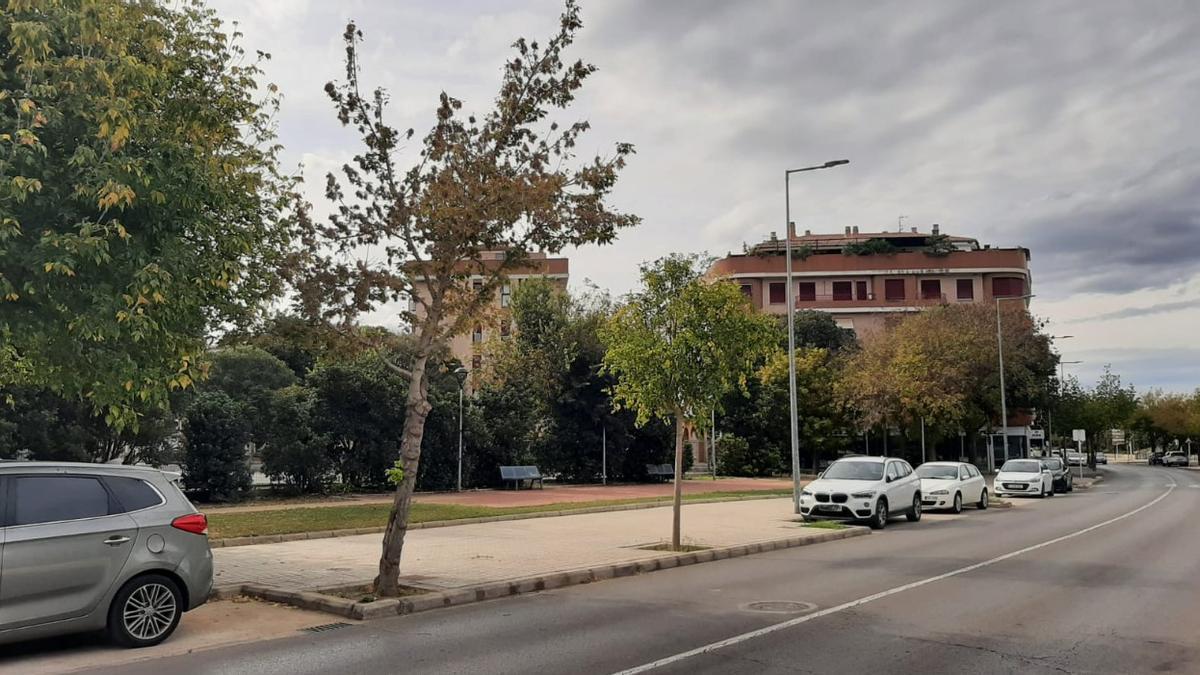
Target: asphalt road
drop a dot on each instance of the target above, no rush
(1102, 581)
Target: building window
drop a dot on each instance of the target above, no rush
(476, 362)
(893, 289)
(806, 291)
(931, 289)
(505, 295)
(843, 290)
(748, 290)
(860, 290)
(505, 330)
(477, 285)
(477, 334)
(966, 289)
(778, 293)
(1008, 287)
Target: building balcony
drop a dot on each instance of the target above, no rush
(872, 300)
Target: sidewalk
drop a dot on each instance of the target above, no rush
(453, 557)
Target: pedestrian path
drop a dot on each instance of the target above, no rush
(453, 557)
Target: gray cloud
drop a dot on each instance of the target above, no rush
(1133, 312)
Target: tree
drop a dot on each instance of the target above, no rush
(216, 430)
(678, 346)
(249, 376)
(503, 181)
(295, 453)
(818, 330)
(140, 201)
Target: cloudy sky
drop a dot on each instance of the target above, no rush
(1067, 127)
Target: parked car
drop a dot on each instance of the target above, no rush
(1175, 459)
(1076, 458)
(1101, 458)
(949, 485)
(1063, 480)
(866, 489)
(1156, 457)
(1029, 477)
(94, 546)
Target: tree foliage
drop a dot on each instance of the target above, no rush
(140, 200)
(216, 429)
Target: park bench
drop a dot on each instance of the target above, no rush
(519, 474)
(663, 471)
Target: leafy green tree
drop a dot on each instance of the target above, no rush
(295, 453)
(818, 330)
(140, 201)
(296, 341)
(216, 430)
(505, 180)
(678, 346)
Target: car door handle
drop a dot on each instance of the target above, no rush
(116, 540)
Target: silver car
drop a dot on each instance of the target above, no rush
(93, 546)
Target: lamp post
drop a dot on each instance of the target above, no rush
(1050, 409)
(791, 324)
(1003, 398)
(460, 376)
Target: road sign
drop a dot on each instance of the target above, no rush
(1118, 436)
(1079, 435)
(1037, 435)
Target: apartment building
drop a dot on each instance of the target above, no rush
(862, 278)
(468, 348)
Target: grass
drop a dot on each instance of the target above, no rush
(317, 519)
(825, 525)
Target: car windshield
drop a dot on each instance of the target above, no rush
(1054, 464)
(938, 472)
(854, 471)
(1022, 466)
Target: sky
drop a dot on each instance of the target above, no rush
(1066, 127)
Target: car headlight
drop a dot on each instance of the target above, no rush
(940, 492)
(805, 493)
(863, 495)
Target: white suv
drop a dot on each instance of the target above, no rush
(870, 489)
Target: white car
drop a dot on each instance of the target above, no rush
(1029, 477)
(870, 489)
(949, 485)
(1076, 458)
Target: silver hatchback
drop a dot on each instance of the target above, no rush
(98, 547)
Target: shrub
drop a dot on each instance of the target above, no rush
(295, 453)
(216, 430)
(736, 458)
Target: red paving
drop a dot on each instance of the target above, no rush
(594, 493)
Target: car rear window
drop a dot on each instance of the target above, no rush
(50, 499)
(133, 494)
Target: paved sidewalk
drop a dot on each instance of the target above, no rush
(465, 555)
(559, 494)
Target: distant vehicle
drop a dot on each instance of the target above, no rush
(1076, 458)
(1062, 481)
(1101, 458)
(1156, 457)
(95, 546)
(1028, 477)
(866, 489)
(1175, 459)
(948, 485)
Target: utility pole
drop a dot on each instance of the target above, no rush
(922, 439)
(603, 455)
(1003, 397)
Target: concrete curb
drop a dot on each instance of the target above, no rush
(327, 534)
(365, 611)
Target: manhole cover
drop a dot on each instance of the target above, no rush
(780, 607)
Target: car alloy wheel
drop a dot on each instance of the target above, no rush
(914, 514)
(958, 502)
(146, 611)
(982, 504)
(881, 516)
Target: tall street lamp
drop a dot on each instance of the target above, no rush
(1050, 411)
(1003, 398)
(460, 376)
(791, 324)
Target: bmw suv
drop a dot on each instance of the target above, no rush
(866, 489)
(98, 547)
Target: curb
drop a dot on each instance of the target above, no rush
(366, 611)
(327, 534)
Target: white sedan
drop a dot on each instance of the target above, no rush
(949, 485)
(1024, 477)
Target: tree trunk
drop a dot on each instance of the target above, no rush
(416, 410)
(677, 503)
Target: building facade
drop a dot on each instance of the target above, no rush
(862, 278)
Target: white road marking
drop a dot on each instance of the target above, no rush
(774, 628)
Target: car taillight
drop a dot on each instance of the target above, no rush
(196, 523)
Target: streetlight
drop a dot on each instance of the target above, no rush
(791, 323)
(460, 376)
(1003, 398)
(1050, 411)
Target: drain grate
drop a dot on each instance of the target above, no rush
(780, 607)
(325, 627)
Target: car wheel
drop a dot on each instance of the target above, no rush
(914, 514)
(145, 611)
(982, 504)
(957, 502)
(879, 520)
(1070, 486)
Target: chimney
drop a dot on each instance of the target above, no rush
(855, 229)
(936, 227)
(773, 237)
(808, 233)
(914, 230)
(791, 229)
(847, 229)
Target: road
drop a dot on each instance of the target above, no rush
(1102, 581)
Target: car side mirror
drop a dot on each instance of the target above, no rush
(889, 479)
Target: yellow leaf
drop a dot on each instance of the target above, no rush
(48, 266)
(128, 385)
